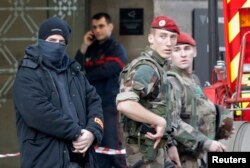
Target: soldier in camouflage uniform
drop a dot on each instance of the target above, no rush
(143, 99)
(197, 110)
(146, 97)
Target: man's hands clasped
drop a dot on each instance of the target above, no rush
(83, 142)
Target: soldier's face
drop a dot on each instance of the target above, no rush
(183, 56)
(162, 41)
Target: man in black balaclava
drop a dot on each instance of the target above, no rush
(59, 114)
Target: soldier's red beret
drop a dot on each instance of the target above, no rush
(164, 22)
(185, 38)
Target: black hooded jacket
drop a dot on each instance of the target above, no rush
(44, 130)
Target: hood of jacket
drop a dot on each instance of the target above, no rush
(33, 53)
(33, 59)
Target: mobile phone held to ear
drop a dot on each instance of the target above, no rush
(93, 37)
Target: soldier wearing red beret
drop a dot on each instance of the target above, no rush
(143, 100)
(197, 110)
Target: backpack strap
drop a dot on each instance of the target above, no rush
(163, 80)
(177, 81)
(145, 59)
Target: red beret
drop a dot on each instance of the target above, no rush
(185, 38)
(164, 22)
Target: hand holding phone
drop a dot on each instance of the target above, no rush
(89, 38)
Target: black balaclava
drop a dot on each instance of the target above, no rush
(53, 53)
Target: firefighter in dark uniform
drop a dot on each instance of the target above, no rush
(102, 58)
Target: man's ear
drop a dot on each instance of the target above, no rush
(195, 52)
(150, 38)
(111, 26)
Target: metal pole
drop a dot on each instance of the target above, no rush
(213, 39)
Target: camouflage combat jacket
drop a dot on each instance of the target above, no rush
(144, 81)
(196, 109)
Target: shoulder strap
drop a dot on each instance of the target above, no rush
(165, 87)
(177, 81)
(145, 58)
(196, 79)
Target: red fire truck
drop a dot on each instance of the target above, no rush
(231, 76)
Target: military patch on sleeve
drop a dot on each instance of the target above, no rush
(98, 121)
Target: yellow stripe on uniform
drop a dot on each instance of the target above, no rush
(234, 27)
(234, 67)
(228, 1)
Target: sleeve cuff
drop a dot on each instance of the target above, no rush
(207, 144)
(98, 135)
(127, 96)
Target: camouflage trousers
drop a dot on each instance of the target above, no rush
(188, 161)
(137, 159)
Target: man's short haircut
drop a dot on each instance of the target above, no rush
(101, 15)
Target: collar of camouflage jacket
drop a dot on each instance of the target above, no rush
(181, 72)
(156, 56)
